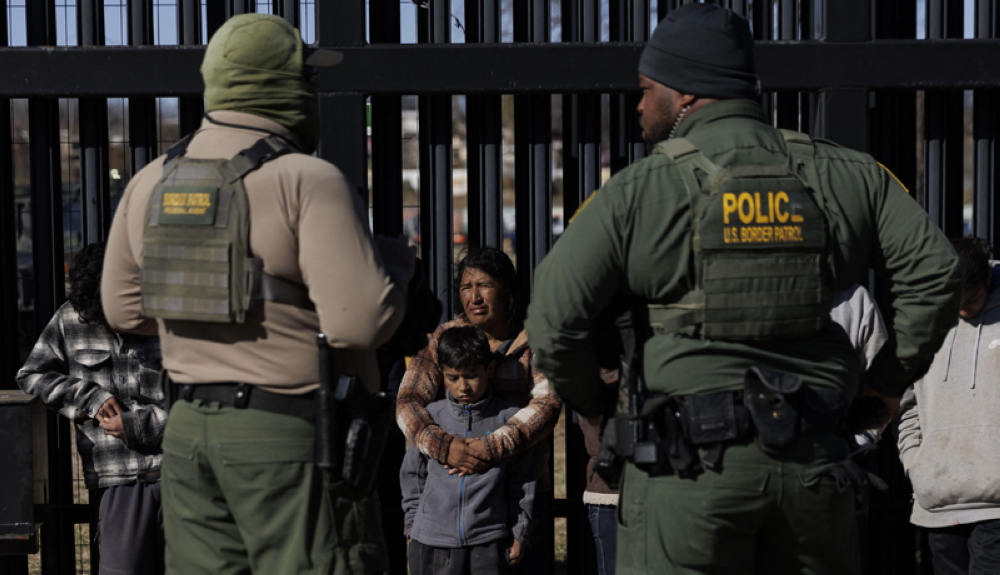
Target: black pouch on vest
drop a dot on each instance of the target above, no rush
(772, 398)
(709, 418)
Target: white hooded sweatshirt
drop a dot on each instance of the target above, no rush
(949, 427)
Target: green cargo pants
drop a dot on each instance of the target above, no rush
(759, 516)
(241, 495)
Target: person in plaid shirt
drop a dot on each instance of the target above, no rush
(108, 384)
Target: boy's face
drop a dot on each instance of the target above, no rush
(467, 385)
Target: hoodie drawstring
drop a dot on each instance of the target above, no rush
(975, 357)
(951, 348)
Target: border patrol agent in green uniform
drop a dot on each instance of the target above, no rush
(733, 237)
(240, 247)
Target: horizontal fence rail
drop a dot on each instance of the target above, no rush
(608, 67)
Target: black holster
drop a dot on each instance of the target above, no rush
(772, 398)
(168, 388)
(640, 438)
(351, 424)
(783, 409)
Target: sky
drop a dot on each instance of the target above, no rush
(166, 33)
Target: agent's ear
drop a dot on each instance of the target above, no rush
(490, 369)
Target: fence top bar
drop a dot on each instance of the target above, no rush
(505, 68)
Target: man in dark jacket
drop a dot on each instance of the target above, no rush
(734, 236)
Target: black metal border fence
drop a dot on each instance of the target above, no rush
(849, 70)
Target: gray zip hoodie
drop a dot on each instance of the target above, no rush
(949, 427)
(449, 511)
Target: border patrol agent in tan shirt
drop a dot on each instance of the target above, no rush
(732, 237)
(244, 247)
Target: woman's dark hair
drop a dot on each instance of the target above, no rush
(498, 266)
(463, 347)
(85, 284)
(974, 258)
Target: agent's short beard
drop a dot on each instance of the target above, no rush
(660, 131)
(656, 134)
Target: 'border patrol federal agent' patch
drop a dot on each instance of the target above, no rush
(187, 205)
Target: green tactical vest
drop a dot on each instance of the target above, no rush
(197, 264)
(759, 239)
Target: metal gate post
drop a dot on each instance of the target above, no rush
(890, 543)
(629, 23)
(344, 136)
(842, 114)
(786, 104)
(95, 190)
(986, 117)
(532, 151)
(533, 188)
(436, 202)
(47, 251)
(95, 193)
(484, 123)
(387, 129)
(190, 108)
(141, 110)
(943, 130)
(9, 360)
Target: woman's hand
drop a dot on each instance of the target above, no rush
(466, 457)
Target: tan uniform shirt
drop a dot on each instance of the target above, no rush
(309, 227)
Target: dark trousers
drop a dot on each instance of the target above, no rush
(488, 559)
(972, 549)
(130, 532)
(604, 528)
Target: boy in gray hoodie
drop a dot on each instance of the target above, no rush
(467, 524)
(949, 429)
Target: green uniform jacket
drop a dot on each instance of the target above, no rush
(634, 236)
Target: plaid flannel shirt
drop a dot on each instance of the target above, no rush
(514, 381)
(75, 368)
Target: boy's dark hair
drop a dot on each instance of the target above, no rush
(974, 258)
(499, 267)
(85, 284)
(463, 347)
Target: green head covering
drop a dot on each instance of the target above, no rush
(254, 64)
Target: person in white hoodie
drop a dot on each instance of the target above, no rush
(949, 429)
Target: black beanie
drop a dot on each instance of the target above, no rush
(704, 50)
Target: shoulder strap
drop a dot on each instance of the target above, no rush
(802, 154)
(174, 155)
(689, 158)
(683, 151)
(256, 155)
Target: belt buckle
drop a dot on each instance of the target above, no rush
(242, 399)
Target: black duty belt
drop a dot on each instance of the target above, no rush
(715, 420)
(247, 396)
